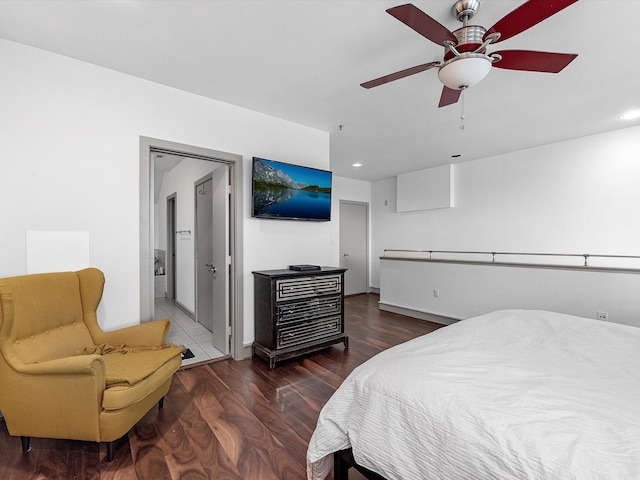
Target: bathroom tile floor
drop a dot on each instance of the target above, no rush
(187, 332)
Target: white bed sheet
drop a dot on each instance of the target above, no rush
(513, 394)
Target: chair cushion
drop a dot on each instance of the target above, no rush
(58, 342)
(126, 366)
(121, 395)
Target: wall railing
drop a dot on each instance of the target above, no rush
(574, 261)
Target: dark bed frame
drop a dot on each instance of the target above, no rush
(343, 460)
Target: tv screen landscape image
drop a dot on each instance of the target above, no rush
(290, 192)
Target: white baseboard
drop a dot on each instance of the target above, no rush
(410, 312)
(185, 310)
(247, 351)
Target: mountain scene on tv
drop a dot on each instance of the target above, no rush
(290, 191)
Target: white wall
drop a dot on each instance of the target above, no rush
(574, 197)
(428, 189)
(467, 290)
(350, 190)
(70, 162)
(578, 196)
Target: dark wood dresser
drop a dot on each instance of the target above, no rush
(297, 312)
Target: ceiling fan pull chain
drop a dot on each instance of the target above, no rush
(462, 110)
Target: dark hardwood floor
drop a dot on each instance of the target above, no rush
(226, 420)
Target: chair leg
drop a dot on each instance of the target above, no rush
(26, 444)
(161, 403)
(109, 451)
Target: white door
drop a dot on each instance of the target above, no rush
(354, 246)
(221, 259)
(204, 253)
(212, 254)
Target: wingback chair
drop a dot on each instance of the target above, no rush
(56, 379)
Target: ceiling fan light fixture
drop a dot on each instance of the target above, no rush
(465, 70)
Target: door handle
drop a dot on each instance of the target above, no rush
(210, 267)
(345, 254)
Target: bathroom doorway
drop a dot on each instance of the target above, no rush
(184, 228)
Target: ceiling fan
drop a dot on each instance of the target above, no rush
(466, 61)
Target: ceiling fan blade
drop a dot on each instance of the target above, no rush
(534, 61)
(526, 16)
(398, 75)
(449, 96)
(422, 23)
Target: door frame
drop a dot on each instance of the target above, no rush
(149, 145)
(170, 267)
(366, 246)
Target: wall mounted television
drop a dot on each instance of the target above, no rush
(290, 192)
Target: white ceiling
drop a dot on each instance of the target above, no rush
(303, 61)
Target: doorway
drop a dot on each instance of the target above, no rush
(149, 217)
(354, 246)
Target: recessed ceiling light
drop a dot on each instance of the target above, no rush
(356, 165)
(630, 115)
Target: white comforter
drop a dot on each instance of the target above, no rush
(509, 395)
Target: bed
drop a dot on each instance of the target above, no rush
(514, 394)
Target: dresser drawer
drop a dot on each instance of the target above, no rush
(291, 312)
(306, 287)
(308, 331)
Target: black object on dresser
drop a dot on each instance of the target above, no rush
(297, 312)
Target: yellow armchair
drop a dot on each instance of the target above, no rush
(56, 381)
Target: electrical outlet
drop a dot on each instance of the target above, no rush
(604, 316)
(436, 293)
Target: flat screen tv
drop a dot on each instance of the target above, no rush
(290, 192)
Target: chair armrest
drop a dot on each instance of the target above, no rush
(148, 333)
(77, 365)
(59, 398)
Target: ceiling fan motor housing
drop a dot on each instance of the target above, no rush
(469, 39)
